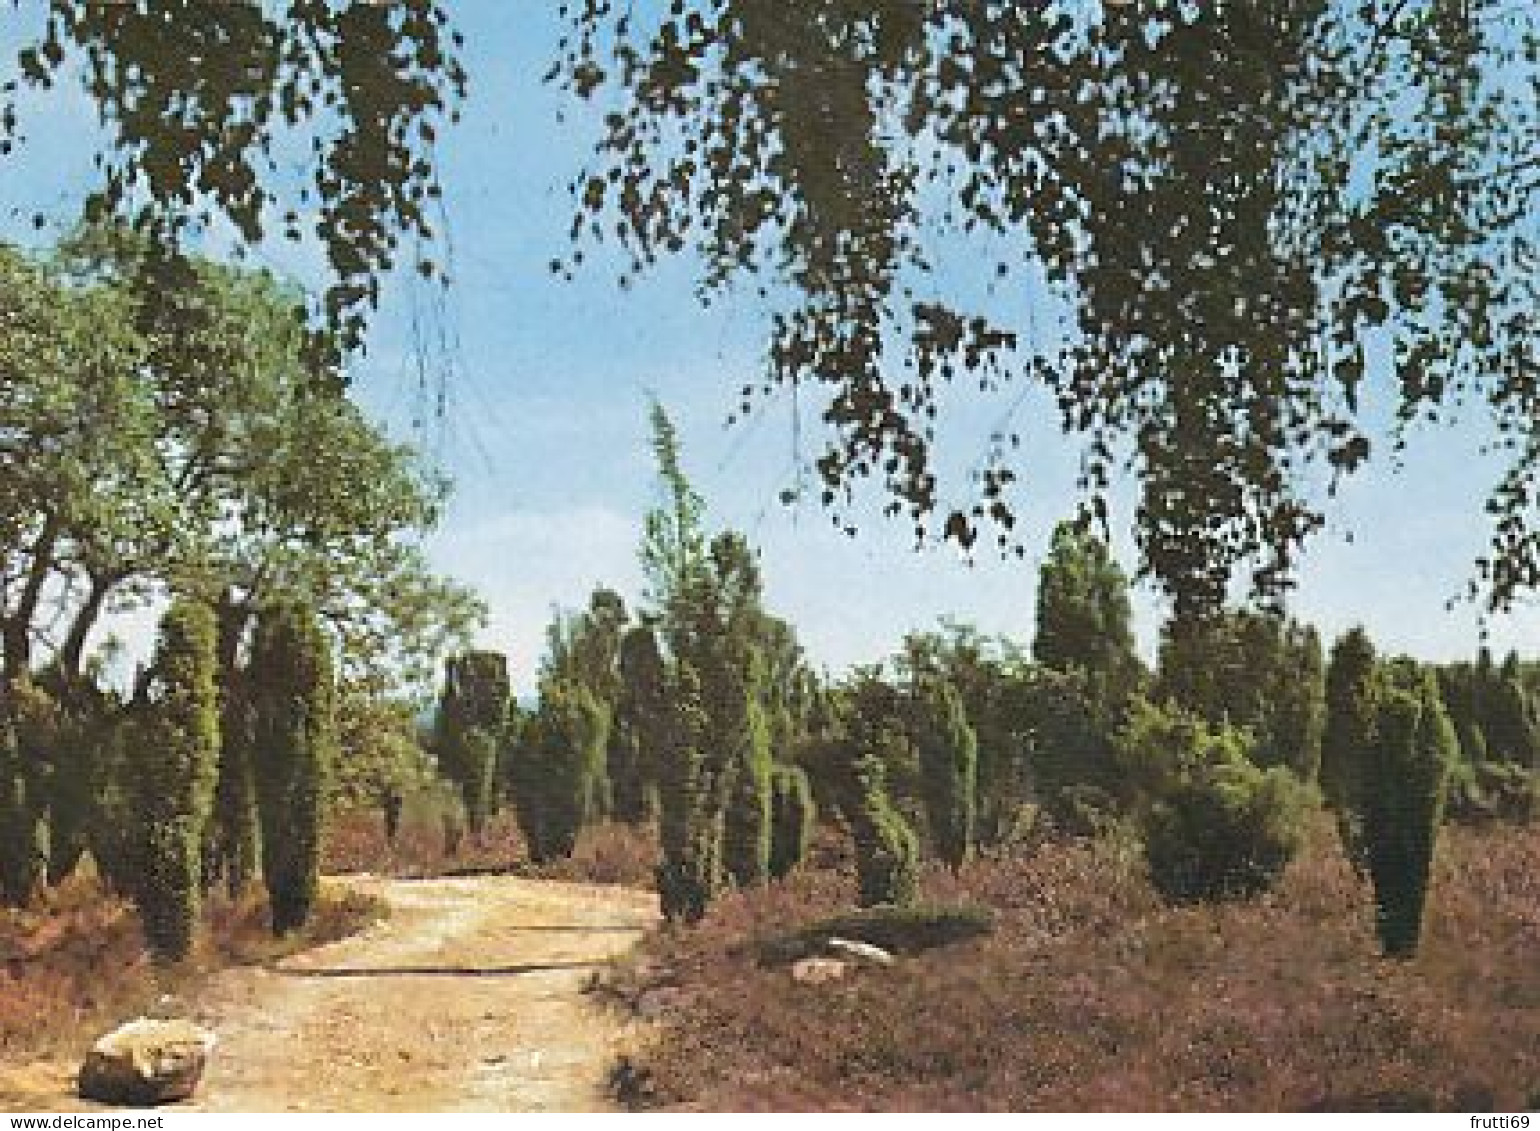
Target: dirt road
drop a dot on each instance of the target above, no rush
(468, 998)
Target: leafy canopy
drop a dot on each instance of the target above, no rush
(1193, 222)
(207, 106)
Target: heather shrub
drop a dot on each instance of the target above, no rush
(793, 817)
(947, 750)
(173, 751)
(294, 745)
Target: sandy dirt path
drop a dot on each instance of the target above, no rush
(467, 998)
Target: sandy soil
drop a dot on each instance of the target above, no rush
(468, 998)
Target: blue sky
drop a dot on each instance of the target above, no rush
(544, 430)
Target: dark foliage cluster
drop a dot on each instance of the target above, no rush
(1229, 201)
(295, 732)
(204, 104)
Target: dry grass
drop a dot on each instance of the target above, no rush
(1092, 995)
(609, 853)
(75, 963)
(354, 841)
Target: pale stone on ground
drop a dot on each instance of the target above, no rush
(146, 1062)
(861, 952)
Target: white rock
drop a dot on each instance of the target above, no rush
(146, 1062)
(861, 952)
(816, 971)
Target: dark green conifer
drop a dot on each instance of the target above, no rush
(560, 753)
(473, 712)
(793, 817)
(690, 872)
(294, 742)
(173, 752)
(1405, 775)
(947, 749)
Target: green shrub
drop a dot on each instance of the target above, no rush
(1405, 774)
(1215, 824)
(641, 725)
(947, 750)
(173, 752)
(67, 751)
(899, 930)
(1225, 831)
(1352, 688)
(689, 874)
(232, 849)
(294, 746)
(23, 827)
(473, 711)
(1072, 754)
(559, 756)
(113, 841)
(887, 850)
(747, 833)
(1483, 792)
(641, 714)
(793, 818)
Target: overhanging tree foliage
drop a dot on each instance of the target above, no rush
(1226, 202)
(200, 103)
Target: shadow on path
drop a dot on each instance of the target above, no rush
(513, 971)
(582, 928)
